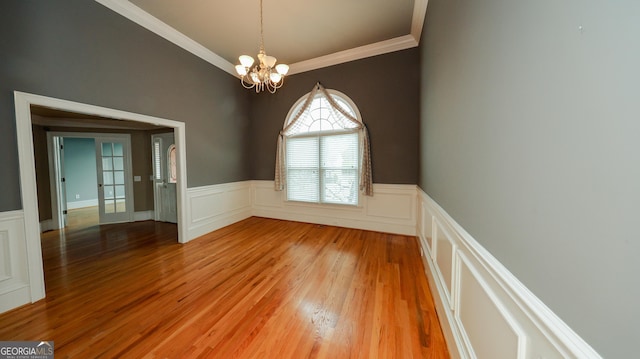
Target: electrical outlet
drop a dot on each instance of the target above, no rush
(77, 196)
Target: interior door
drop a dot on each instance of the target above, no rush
(164, 177)
(115, 185)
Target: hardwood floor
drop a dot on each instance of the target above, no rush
(260, 288)
(83, 217)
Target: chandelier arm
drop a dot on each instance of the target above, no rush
(245, 84)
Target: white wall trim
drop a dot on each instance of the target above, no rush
(417, 21)
(153, 24)
(539, 332)
(378, 48)
(47, 225)
(212, 207)
(143, 215)
(23, 102)
(14, 269)
(533, 329)
(82, 204)
(391, 209)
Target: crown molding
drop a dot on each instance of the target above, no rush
(153, 24)
(357, 53)
(419, 15)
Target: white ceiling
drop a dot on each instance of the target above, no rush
(304, 34)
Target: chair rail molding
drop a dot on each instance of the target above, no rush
(485, 311)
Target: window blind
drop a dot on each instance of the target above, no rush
(339, 168)
(323, 168)
(157, 160)
(303, 169)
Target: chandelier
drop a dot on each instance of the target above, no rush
(263, 75)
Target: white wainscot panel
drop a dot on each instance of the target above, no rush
(213, 207)
(425, 227)
(265, 196)
(491, 332)
(391, 209)
(14, 277)
(391, 205)
(493, 314)
(443, 256)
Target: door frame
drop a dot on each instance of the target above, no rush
(23, 102)
(56, 171)
(55, 185)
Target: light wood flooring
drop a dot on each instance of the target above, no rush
(260, 288)
(83, 217)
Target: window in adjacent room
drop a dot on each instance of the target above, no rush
(171, 158)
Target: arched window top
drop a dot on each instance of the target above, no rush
(320, 116)
(323, 115)
(172, 165)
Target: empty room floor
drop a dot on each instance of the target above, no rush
(260, 288)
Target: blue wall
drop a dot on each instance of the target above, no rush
(80, 169)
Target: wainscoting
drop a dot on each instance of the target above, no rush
(212, 207)
(14, 273)
(392, 209)
(484, 310)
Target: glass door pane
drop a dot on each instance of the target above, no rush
(113, 176)
(114, 196)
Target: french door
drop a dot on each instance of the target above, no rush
(115, 185)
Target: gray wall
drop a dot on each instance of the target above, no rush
(385, 89)
(80, 169)
(81, 51)
(530, 137)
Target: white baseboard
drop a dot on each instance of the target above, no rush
(82, 204)
(391, 209)
(212, 207)
(47, 225)
(143, 215)
(485, 311)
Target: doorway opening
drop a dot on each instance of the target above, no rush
(28, 185)
(73, 178)
(90, 178)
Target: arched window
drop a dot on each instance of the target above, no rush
(321, 150)
(171, 165)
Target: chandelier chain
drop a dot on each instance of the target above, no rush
(261, 30)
